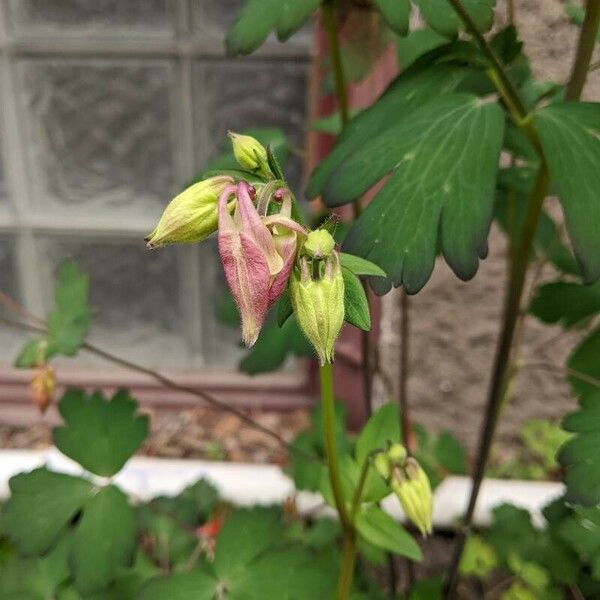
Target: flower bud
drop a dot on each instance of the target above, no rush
(318, 303)
(382, 465)
(192, 215)
(319, 244)
(397, 454)
(250, 154)
(42, 387)
(411, 485)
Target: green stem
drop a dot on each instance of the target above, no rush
(341, 92)
(495, 64)
(347, 567)
(512, 313)
(349, 535)
(333, 467)
(585, 48)
(360, 486)
(501, 371)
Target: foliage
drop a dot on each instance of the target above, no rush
(68, 321)
(539, 562)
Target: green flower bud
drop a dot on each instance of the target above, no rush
(250, 153)
(318, 244)
(319, 303)
(397, 454)
(192, 215)
(411, 485)
(382, 465)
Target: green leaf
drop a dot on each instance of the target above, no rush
(450, 454)
(104, 541)
(292, 15)
(581, 454)
(101, 435)
(416, 44)
(29, 355)
(35, 578)
(245, 534)
(570, 137)
(41, 506)
(259, 17)
(566, 303)
(181, 586)
(445, 159)
(478, 559)
(411, 89)
(395, 13)
(289, 573)
(331, 124)
(442, 18)
(274, 345)
(284, 308)
(580, 531)
(382, 427)
(427, 589)
(360, 266)
(70, 318)
(584, 365)
(380, 529)
(356, 305)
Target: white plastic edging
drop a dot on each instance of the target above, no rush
(244, 484)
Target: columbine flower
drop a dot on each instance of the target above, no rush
(318, 302)
(250, 154)
(410, 483)
(257, 253)
(192, 215)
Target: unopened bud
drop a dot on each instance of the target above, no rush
(318, 303)
(250, 154)
(397, 454)
(192, 215)
(318, 244)
(42, 387)
(414, 493)
(382, 465)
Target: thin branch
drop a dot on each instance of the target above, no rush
(405, 424)
(165, 381)
(585, 49)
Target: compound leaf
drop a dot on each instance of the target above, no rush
(444, 159)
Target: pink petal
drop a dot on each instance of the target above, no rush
(251, 223)
(248, 277)
(283, 221)
(286, 246)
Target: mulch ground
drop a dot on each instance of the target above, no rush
(199, 433)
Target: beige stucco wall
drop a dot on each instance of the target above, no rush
(455, 324)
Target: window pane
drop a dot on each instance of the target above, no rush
(253, 93)
(134, 295)
(219, 15)
(99, 135)
(11, 340)
(104, 16)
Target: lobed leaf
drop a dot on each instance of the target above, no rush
(444, 159)
(570, 137)
(581, 454)
(104, 541)
(566, 302)
(101, 435)
(41, 505)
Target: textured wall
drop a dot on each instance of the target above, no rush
(455, 324)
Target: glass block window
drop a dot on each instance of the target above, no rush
(106, 109)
